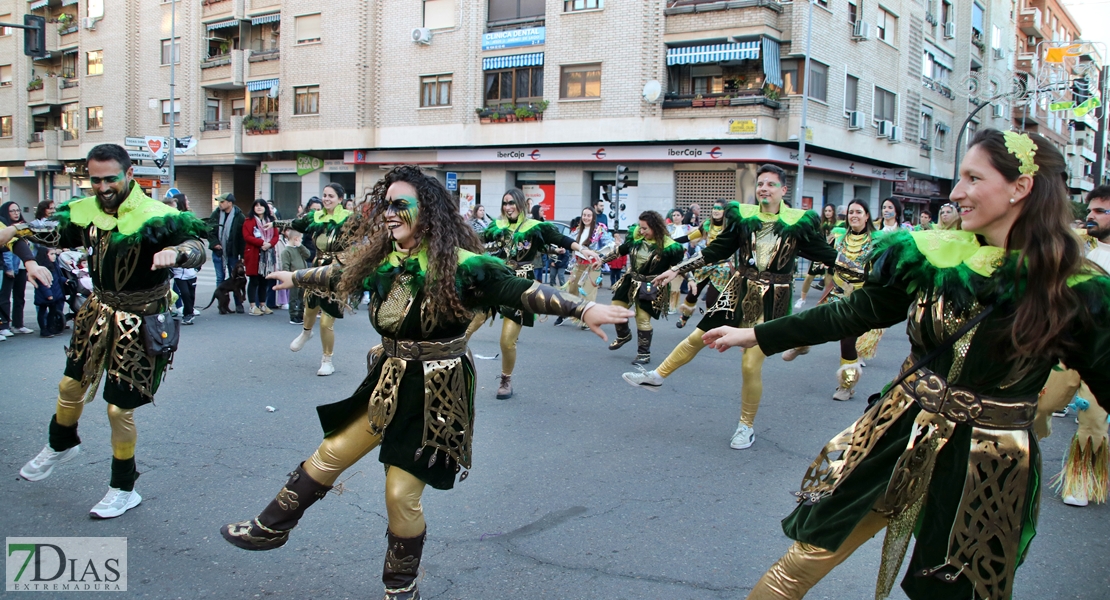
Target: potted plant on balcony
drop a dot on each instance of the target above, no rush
(269, 126)
(483, 114)
(698, 101)
(724, 100)
(250, 125)
(35, 84)
(539, 108)
(495, 117)
(523, 113)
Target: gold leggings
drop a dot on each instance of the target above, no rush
(806, 283)
(402, 489)
(643, 318)
(327, 328)
(804, 565)
(587, 275)
(71, 403)
(751, 391)
(476, 323)
(510, 333)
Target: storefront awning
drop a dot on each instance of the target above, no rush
(265, 19)
(712, 53)
(772, 68)
(223, 24)
(262, 84)
(37, 4)
(534, 59)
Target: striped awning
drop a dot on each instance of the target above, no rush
(69, 51)
(712, 53)
(771, 66)
(534, 59)
(266, 19)
(37, 4)
(68, 2)
(939, 56)
(223, 24)
(261, 84)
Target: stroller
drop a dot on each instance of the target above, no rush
(77, 285)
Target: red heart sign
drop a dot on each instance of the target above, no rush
(154, 145)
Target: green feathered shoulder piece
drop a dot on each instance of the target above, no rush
(953, 262)
(318, 221)
(788, 220)
(139, 217)
(520, 231)
(476, 269)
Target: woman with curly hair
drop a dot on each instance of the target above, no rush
(417, 401)
(947, 453)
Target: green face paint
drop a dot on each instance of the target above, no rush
(405, 207)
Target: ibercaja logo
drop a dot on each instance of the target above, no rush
(66, 564)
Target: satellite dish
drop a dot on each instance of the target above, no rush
(653, 91)
(274, 91)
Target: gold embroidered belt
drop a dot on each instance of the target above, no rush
(424, 350)
(768, 277)
(521, 269)
(961, 405)
(142, 302)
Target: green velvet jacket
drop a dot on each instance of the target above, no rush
(519, 243)
(331, 235)
(646, 259)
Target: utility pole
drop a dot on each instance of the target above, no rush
(1100, 134)
(175, 48)
(798, 183)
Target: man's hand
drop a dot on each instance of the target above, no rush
(38, 275)
(284, 279)
(590, 255)
(603, 314)
(664, 278)
(217, 247)
(723, 338)
(164, 259)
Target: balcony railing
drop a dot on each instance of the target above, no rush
(216, 61)
(937, 87)
(216, 125)
(737, 98)
(680, 7)
(264, 55)
(70, 83)
(35, 138)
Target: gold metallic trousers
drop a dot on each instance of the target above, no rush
(643, 318)
(510, 333)
(751, 391)
(804, 565)
(402, 489)
(582, 281)
(327, 328)
(71, 403)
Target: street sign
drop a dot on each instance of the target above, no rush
(452, 181)
(134, 141)
(158, 146)
(150, 171)
(140, 155)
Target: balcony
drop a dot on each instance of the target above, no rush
(701, 102)
(222, 9)
(1081, 183)
(261, 125)
(681, 7)
(223, 72)
(69, 89)
(44, 145)
(1030, 24)
(1080, 150)
(937, 87)
(48, 91)
(1027, 63)
(263, 64)
(221, 137)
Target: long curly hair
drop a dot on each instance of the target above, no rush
(655, 223)
(439, 226)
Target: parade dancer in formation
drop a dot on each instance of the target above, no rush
(518, 240)
(419, 264)
(711, 278)
(853, 248)
(329, 228)
(947, 453)
(587, 273)
(892, 215)
(133, 241)
(766, 239)
(650, 252)
(828, 223)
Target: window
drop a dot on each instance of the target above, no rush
(508, 10)
(439, 14)
(5, 31)
(94, 118)
(5, 75)
(94, 62)
(926, 123)
(263, 105)
(851, 93)
(512, 86)
(265, 37)
(885, 25)
(6, 126)
(166, 111)
(707, 79)
(977, 19)
(306, 100)
(69, 122)
(933, 69)
(580, 81)
(308, 28)
(818, 80)
(793, 83)
(945, 12)
(576, 5)
(885, 105)
(853, 13)
(212, 109)
(996, 37)
(174, 47)
(823, 3)
(69, 64)
(238, 107)
(435, 90)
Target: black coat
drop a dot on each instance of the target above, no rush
(235, 241)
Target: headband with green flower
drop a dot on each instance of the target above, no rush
(1024, 148)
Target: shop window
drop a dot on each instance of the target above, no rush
(580, 81)
(439, 14)
(94, 118)
(307, 28)
(94, 62)
(514, 86)
(306, 100)
(166, 111)
(435, 90)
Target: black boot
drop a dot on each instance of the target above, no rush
(270, 529)
(643, 347)
(624, 335)
(402, 565)
(60, 437)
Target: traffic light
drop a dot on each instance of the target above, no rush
(622, 177)
(1080, 90)
(34, 36)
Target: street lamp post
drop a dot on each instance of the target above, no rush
(800, 181)
(174, 49)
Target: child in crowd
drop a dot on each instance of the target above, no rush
(50, 301)
(293, 258)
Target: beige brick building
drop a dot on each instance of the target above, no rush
(283, 97)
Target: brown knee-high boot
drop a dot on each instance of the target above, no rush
(270, 529)
(624, 335)
(643, 347)
(402, 565)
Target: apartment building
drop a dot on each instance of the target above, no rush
(549, 95)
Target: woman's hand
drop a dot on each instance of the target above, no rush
(590, 255)
(664, 278)
(605, 314)
(265, 246)
(284, 279)
(723, 338)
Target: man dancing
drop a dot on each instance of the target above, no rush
(132, 241)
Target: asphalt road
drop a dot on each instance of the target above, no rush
(582, 486)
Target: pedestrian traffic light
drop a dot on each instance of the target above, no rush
(1080, 90)
(34, 36)
(622, 177)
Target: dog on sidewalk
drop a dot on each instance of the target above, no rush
(236, 284)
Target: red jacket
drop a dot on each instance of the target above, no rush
(254, 244)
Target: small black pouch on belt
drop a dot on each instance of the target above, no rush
(161, 333)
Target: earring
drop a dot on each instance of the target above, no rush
(1012, 201)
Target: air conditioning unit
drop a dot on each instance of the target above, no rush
(885, 128)
(998, 110)
(999, 53)
(861, 31)
(855, 120)
(422, 35)
(90, 22)
(949, 30)
(895, 134)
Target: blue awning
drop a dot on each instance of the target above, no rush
(223, 24)
(266, 19)
(535, 59)
(261, 84)
(37, 4)
(712, 53)
(771, 66)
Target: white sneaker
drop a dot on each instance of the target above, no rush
(24, 330)
(743, 437)
(2, 338)
(40, 466)
(643, 378)
(306, 334)
(1077, 500)
(6, 332)
(115, 503)
(325, 366)
(799, 304)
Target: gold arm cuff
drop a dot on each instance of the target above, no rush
(190, 254)
(693, 263)
(315, 278)
(546, 300)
